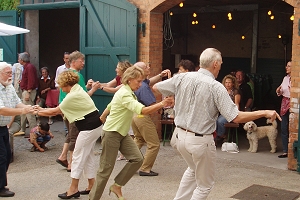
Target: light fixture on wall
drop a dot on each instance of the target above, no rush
(279, 36)
(272, 17)
(171, 13)
(181, 4)
(292, 18)
(213, 26)
(243, 37)
(142, 27)
(194, 14)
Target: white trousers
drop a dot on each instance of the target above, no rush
(200, 156)
(83, 160)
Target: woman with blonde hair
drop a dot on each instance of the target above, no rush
(115, 138)
(78, 107)
(232, 88)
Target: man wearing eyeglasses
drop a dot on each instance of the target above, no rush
(10, 105)
(28, 85)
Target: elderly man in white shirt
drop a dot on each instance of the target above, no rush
(199, 99)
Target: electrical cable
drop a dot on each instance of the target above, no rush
(167, 31)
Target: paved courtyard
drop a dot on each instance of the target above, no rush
(36, 176)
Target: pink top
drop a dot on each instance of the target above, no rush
(285, 86)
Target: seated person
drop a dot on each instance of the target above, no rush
(231, 85)
(245, 91)
(39, 136)
(183, 67)
(46, 83)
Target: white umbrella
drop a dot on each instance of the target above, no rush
(6, 30)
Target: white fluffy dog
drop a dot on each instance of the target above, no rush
(255, 133)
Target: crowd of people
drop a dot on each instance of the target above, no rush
(192, 95)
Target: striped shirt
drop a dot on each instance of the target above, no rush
(198, 100)
(9, 99)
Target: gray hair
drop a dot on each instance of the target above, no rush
(4, 65)
(208, 56)
(24, 57)
(76, 55)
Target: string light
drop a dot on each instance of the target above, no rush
(181, 4)
(272, 17)
(292, 18)
(194, 14)
(279, 36)
(213, 26)
(269, 12)
(243, 37)
(195, 22)
(229, 16)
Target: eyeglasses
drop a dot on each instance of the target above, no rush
(82, 61)
(8, 73)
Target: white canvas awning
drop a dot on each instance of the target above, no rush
(6, 30)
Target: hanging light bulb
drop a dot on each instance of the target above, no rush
(229, 18)
(269, 12)
(181, 4)
(272, 17)
(196, 22)
(292, 18)
(243, 37)
(213, 26)
(229, 15)
(194, 14)
(279, 36)
(193, 22)
(171, 13)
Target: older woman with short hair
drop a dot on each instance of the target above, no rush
(122, 107)
(78, 107)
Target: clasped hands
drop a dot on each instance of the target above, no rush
(168, 101)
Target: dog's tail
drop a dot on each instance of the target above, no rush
(274, 123)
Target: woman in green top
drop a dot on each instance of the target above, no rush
(121, 109)
(78, 107)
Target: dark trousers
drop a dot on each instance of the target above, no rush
(5, 155)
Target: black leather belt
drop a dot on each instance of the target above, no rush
(196, 134)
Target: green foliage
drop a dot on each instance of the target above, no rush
(9, 4)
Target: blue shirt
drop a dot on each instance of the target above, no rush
(144, 94)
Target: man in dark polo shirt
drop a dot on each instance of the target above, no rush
(143, 127)
(28, 85)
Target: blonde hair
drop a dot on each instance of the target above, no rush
(67, 78)
(132, 73)
(233, 80)
(123, 65)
